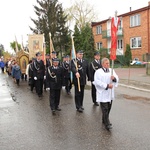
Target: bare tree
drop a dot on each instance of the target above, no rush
(81, 13)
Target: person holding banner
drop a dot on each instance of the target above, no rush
(39, 74)
(79, 67)
(105, 82)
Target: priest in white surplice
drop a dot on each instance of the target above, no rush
(105, 80)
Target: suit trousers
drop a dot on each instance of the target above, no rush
(93, 93)
(79, 96)
(39, 86)
(106, 107)
(68, 84)
(54, 98)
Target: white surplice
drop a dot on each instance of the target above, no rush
(101, 79)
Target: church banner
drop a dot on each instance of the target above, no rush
(36, 44)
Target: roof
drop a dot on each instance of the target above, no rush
(122, 15)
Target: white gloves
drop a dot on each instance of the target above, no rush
(35, 78)
(47, 89)
(44, 77)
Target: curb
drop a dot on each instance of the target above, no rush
(133, 87)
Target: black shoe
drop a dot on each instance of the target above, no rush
(58, 109)
(109, 123)
(53, 111)
(96, 104)
(108, 127)
(80, 110)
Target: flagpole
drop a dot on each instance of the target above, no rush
(16, 46)
(44, 49)
(78, 81)
(51, 47)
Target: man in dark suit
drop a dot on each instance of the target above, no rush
(39, 74)
(48, 63)
(66, 74)
(79, 67)
(94, 65)
(54, 78)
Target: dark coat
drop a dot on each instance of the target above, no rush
(66, 69)
(82, 68)
(92, 68)
(38, 69)
(54, 77)
(48, 63)
(31, 71)
(16, 72)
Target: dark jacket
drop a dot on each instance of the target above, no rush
(92, 68)
(38, 69)
(16, 72)
(48, 63)
(31, 71)
(82, 68)
(54, 77)
(66, 69)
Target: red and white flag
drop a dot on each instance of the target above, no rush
(114, 27)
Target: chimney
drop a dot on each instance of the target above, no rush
(130, 9)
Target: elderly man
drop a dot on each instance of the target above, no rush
(105, 79)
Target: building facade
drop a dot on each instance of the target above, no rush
(134, 29)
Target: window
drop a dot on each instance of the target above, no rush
(135, 20)
(99, 45)
(99, 30)
(119, 46)
(135, 42)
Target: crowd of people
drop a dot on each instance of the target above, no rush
(53, 74)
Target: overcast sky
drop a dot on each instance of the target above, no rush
(15, 15)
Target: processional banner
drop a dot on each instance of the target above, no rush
(36, 44)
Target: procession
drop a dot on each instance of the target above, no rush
(75, 83)
(55, 74)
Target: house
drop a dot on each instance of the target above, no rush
(134, 29)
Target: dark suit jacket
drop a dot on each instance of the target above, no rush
(54, 77)
(92, 68)
(66, 69)
(38, 69)
(82, 68)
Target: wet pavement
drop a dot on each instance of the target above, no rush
(26, 122)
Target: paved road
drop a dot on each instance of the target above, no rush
(26, 123)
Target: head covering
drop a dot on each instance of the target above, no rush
(47, 54)
(53, 52)
(38, 54)
(66, 56)
(55, 60)
(96, 53)
(33, 58)
(80, 51)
